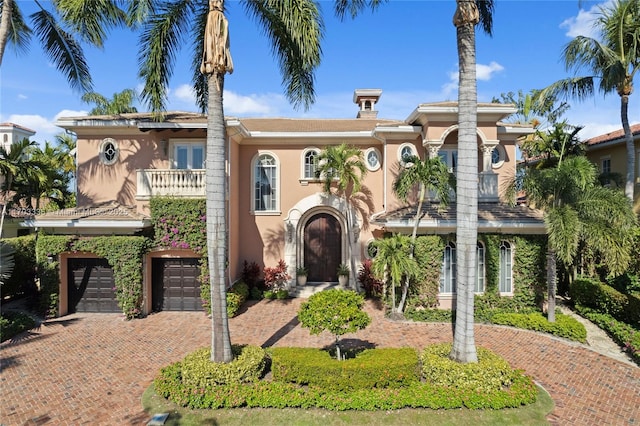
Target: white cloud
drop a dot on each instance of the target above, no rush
(22, 97)
(266, 104)
(184, 93)
(582, 24)
(486, 72)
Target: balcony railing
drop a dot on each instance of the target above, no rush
(174, 182)
(488, 187)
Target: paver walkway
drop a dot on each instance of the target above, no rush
(93, 368)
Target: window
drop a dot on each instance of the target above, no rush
(480, 278)
(506, 267)
(405, 150)
(372, 158)
(188, 156)
(311, 164)
(265, 183)
(372, 250)
(448, 272)
(498, 155)
(108, 151)
(605, 170)
(450, 158)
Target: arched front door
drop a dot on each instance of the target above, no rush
(322, 247)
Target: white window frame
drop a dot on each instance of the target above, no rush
(254, 166)
(102, 154)
(480, 259)
(402, 147)
(374, 167)
(448, 270)
(450, 157)
(303, 167)
(189, 144)
(505, 273)
(502, 156)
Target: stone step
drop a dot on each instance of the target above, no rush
(311, 288)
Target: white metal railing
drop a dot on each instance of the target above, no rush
(173, 182)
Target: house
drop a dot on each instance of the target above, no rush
(276, 205)
(11, 133)
(609, 153)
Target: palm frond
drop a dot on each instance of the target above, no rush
(19, 32)
(354, 7)
(63, 50)
(91, 19)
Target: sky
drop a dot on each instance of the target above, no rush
(405, 48)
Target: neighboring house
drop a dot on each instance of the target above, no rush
(9, 134)
(609, 153)
(277, 209)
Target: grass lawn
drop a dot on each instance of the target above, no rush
(533, 414)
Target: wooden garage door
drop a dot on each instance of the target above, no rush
(322, 247)
(175, 284)
(91, 286)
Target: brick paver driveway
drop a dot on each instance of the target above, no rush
(93, 368)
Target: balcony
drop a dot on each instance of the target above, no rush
(488, 187)
(173, 182)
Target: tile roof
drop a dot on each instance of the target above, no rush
(315, 125)
(612, 136)
(489, 215)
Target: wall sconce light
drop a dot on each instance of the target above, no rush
(164, 146)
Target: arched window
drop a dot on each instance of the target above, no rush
(448, 272)
(311, 164)
(265, 183)
(480, 279)
(506, 267)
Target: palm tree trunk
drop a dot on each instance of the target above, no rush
(464, 349)
(551, 285)
(631, 150)
(5, 22)
(216, 184)
(414, 236)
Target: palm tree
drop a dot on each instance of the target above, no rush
(429, 175)
(551, 145)
(120, 103)
(295, 30)
(342, 166)
(580, 211)
(468, 14)
(88, 20)
(16, 164)
(394, 261)
(613, 60)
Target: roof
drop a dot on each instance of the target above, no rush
(492, 217)
(615, 136)
(315, 125)
(17, 126)
(105, 215)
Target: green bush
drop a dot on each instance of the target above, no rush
(13, 323)
(22, 280)
(490, 373)
(256, 293)
(199, 371)
(564, 326)
(241, 288)
(606, 300)
(371, 368)
(520, 390)
(234, 302)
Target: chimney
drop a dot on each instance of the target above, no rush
(367, 99)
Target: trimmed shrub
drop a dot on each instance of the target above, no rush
(13, 323)
(371, 368)
(565, 326)
(198, 371)
(490, 373)
(607, 300)
(22, 280)
(234, 302)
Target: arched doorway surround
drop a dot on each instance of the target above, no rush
(311, 208)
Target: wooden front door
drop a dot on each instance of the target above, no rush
(322, 247)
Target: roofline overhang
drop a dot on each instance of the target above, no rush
(424, 112)
(170, 126)
(448, 226)
(612, 142)
(83, 224)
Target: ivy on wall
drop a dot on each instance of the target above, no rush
(529, 263)
(123, 253)
(182, 223)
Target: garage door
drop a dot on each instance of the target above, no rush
(175, 284)
(91, 286)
